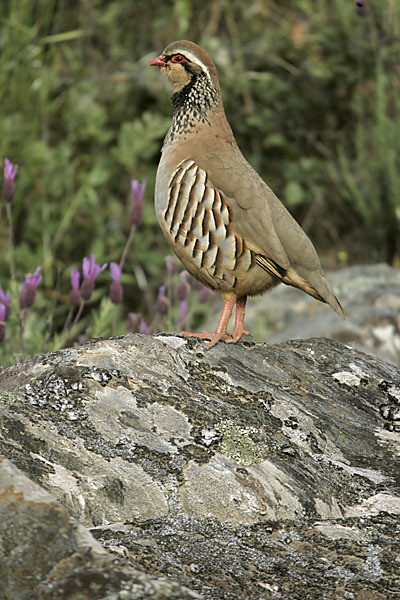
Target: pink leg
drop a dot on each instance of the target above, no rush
(239, 331)
(220, 332)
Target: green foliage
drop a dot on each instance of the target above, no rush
(311, 90)
(371, 174)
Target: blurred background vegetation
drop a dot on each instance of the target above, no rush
(311, 89)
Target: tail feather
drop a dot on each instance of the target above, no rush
(316, 286)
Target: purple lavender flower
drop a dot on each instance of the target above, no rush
(5, 299)
(183, 287)
(204, 294)
(162, 301)
(10, 172)
(362, 8)
(183, 311)
(143, 328)
(131, 322)
(74, 296)
(195, 285)
(116, 291)
(2, 322)
(116, 272)
(90, 270)
(137, 206)
(28, 289)
(172, 265)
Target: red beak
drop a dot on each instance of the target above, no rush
(157, 62)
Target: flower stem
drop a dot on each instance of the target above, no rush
(77, 317)
(78, 314)
(127, 246)
(114, 320)
(68, 319)
(11, 241)
(21, 330)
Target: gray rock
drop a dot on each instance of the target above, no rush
(249, 471)
(46, 554)
(369, 293)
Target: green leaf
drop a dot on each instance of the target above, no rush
(294, 193)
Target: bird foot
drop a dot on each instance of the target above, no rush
(205, 335)
(237, 335)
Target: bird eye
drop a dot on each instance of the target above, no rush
(178, 58)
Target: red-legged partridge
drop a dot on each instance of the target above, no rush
(219, 217)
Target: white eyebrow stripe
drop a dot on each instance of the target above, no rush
(195, 60)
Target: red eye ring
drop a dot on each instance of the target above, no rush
(178, 58)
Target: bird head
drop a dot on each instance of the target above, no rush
(182, 62)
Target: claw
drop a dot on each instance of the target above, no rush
(205, 335)
(237, 335)
(221, 333)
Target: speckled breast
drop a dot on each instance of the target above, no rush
(197, 222)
